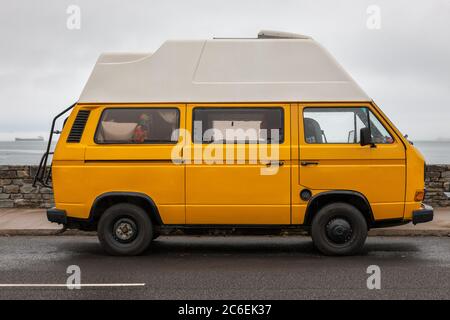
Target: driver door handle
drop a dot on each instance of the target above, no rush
(309, 163)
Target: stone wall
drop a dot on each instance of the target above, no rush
(437, 181)
(16, 190)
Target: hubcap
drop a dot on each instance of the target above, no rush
(125, 230)
(339, 230)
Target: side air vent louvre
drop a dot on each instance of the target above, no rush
(78, 126)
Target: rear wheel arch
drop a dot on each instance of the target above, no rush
(106, 200)
(353, 198)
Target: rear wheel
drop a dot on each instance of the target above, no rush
(125, 229)
(339, 229)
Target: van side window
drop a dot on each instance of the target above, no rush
(342, 125)
(238, 125)
(138, 126)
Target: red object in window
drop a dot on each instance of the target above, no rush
(139, 134)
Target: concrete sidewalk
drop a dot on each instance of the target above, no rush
(34, 222)
(29, 222)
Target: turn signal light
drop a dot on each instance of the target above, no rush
(420, 194)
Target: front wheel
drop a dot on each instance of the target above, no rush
(339, 229)
(125, 229)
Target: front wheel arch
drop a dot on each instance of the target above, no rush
(354, 198)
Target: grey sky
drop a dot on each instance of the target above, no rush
(404, 66)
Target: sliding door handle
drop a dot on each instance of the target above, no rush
(309, 163)
(275, 163)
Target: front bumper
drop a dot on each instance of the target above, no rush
(57, 216)
(425, 214)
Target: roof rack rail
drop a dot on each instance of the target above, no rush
(270, 34)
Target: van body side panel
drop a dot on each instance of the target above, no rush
(68, 169)
(298, 205)
(377, 173)
(68, 182)
(415, 180)
(162, 182)
(237, 192)
(140, 168)
(415, 167)
(188, 187)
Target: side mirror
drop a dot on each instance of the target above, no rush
(366, 138)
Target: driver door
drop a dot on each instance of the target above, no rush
(331, 157)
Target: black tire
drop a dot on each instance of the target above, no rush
(339, 229)
(125, 230)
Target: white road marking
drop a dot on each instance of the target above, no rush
(43, 285)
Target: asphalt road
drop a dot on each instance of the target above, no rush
(236, 267)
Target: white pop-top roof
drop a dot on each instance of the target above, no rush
(272, 68)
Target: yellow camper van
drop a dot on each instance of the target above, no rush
(231, 133)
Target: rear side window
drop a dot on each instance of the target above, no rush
(342, 125)
(138, 126)
(238, 125)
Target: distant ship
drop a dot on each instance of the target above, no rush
(39, 138)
